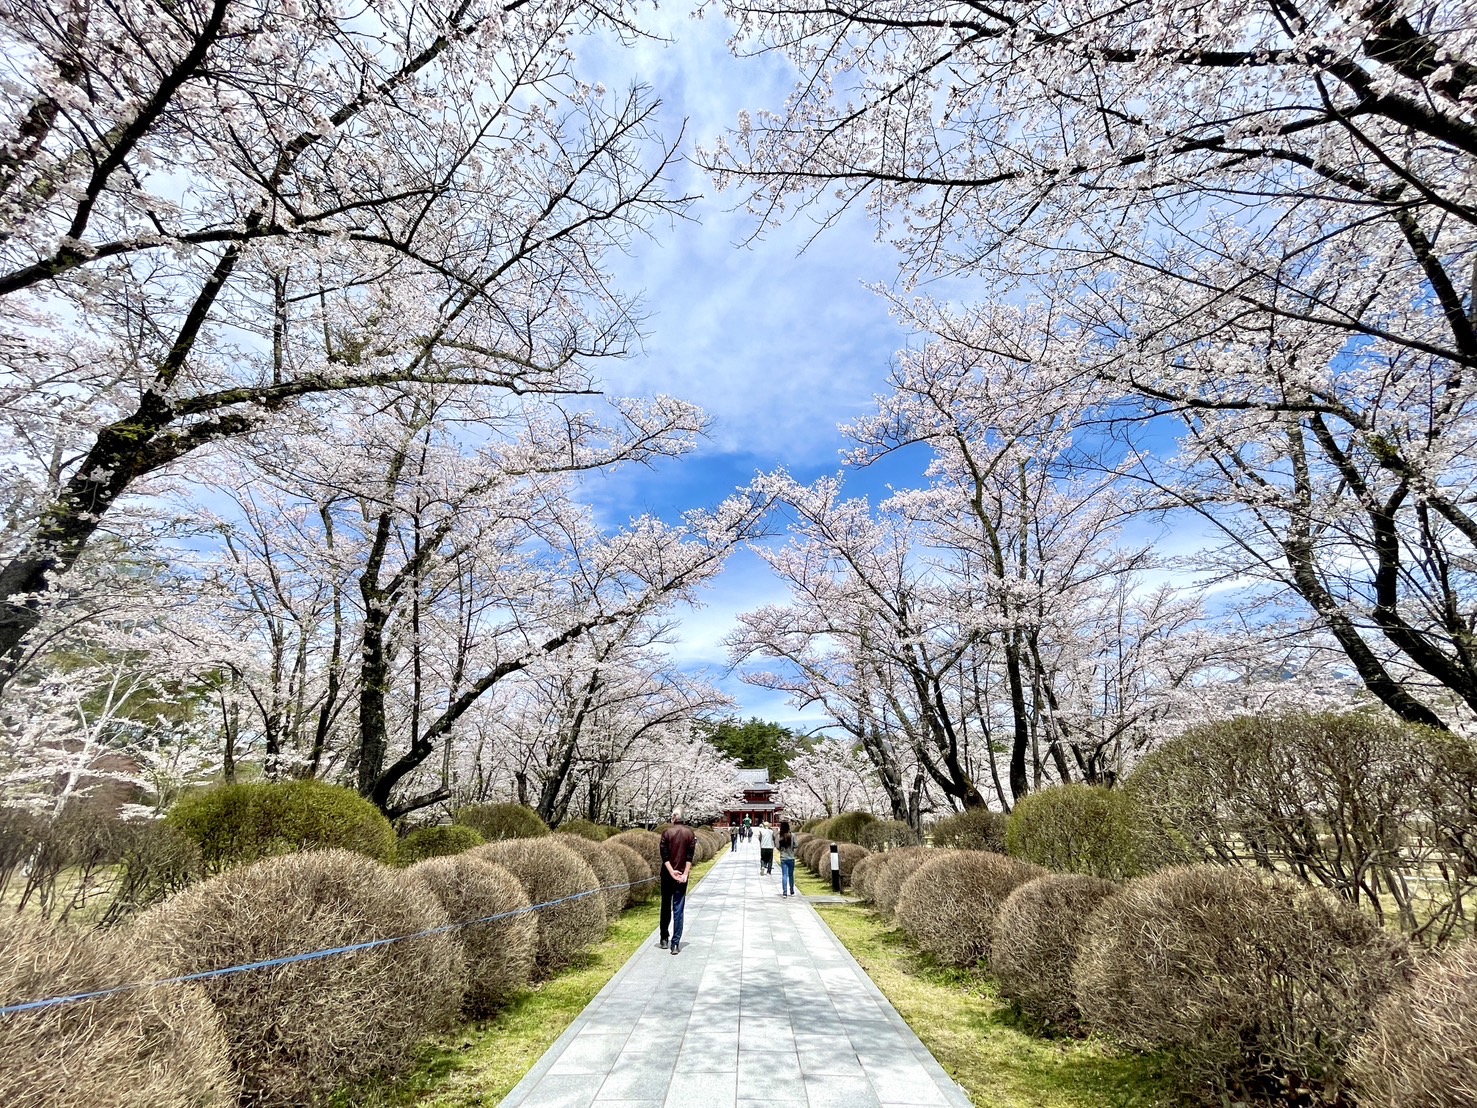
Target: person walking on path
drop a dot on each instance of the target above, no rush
(733, 836)
(678, 842)
(766, 848)
(786, 845)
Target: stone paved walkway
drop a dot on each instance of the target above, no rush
(763, 1008)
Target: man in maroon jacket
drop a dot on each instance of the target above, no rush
(678, 844)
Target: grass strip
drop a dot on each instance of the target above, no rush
(478, 1064)
(976, 1036)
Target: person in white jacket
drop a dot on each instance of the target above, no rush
(766, 848)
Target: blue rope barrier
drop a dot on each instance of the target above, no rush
(352, 948)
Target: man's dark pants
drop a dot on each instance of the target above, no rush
(674, 901)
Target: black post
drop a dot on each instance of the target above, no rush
(835, 867)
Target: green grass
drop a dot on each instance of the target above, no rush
(479, 1063)
(976, 1036)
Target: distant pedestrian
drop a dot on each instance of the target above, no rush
(733, 836)
(786, 845)
(678, 847)
(748, 828)
(766, 848)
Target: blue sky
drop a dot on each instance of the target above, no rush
(777, 343)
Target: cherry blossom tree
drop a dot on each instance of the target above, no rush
(407, 576)
(214, 214)
(833, 776)
(1251, 222)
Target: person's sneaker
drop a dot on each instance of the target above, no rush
(664, 944)
(674, 947)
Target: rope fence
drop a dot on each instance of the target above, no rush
(309, 956)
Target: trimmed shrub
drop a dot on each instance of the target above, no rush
(551, 871)
(1249, 981)
(971, 829)
(1033, 944)
(847, 827)
(849, 855)
(644, 885)
(889, 874)
(163, 1047)
(502, 821)
(595, 832)
(258, 819)
(815, 855)
(610, 870)
(949, 904)
(1331, 799)
(810, 825)
(437, 842)
(648, 844)
(888, 834)
(1421, 1050)
(499, 955)
(301, 1030)
(1078, 829)
(861, 877)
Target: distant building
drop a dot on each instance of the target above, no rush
(753, 797)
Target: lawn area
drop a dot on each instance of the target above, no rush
(479, 1063)
(974, 1034)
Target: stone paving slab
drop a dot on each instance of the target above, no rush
(763, 1008)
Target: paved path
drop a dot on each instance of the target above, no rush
(763, 1008)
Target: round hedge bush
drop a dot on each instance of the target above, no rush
(648, 844)
(608, 868)
(816, 855)
(643, 883)
(551, 871)
(1421, 1050)
(499, 955)
(437, 842)
(1243, 978)
(888, 875)
(258, 819)
(1033, 944)
(888, 834)
(846, 827)
(595, 832)
(861, 877)
(1079, 829)
(971, 829)
(163, 1047)
(495, 822)
(299, 1031)
(949, 904)
(850, 856)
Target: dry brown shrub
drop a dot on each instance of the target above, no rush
(551, 871)
(648, 844)
(850, 855)
(816, 856)
(1034, 943)
(499, 955)
(861, 877)
(162, 1047)
(608, 868)
(949, 903)
(1250, 981)
(301, 1030)
(1421, 1050)
(889, 874)
(643, 884)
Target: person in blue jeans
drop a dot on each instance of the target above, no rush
(785, 842)
(678, 847)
